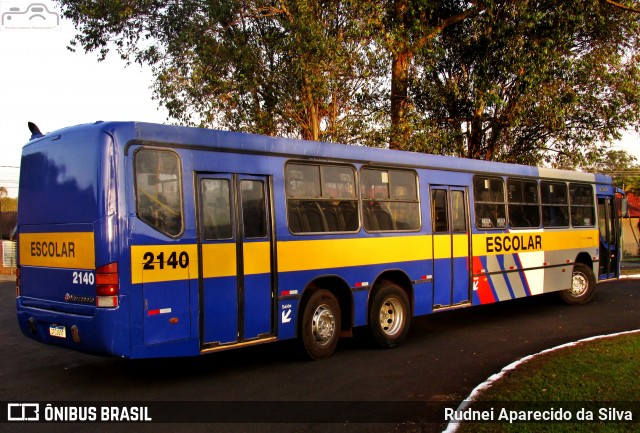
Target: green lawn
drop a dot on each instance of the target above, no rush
(575, 381)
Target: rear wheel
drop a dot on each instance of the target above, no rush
(320, 325)
(389, 316)
(583, 286)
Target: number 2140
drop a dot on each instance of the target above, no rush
(174, 260)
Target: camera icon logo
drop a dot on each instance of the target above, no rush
(36, 16)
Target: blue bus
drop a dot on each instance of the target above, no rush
(140, 240)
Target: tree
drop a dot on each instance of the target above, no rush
(411, 27)
(618, 164)
(528, 81)
(298, 68)
(7, 204)
(511, 80)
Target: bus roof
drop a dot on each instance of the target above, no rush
(129, 133)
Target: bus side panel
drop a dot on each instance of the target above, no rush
(220, 302)
(166, 311)
(360, 279)
(163, 289)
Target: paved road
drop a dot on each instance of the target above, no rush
(444, 358)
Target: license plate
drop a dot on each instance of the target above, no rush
(58, 331)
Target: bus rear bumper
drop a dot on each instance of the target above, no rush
(96, 334)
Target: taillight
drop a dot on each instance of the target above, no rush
(107, 286)
(17, 281)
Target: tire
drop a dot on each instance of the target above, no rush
(320, 325)
(389, 316)
(583, 286)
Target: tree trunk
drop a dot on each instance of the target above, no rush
(400, 132)
(311, 131)
(400, 129)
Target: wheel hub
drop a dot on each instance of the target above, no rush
(391, 316)
(323, 325)
(579, 284)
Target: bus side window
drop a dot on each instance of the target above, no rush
(555, 205)
(490, 206)
(524, 203)
(159, 190)
(582, 205)
(390, 200)
(321, 198)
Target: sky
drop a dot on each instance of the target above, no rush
(43, 82)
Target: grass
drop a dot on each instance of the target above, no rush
(578, 378)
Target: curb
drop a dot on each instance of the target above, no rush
(452, 427)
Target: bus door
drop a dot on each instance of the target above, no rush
(609, 237)
(451, 246)
(235, 238)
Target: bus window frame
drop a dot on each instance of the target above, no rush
(523, 203)
(592, 206)
(477, 202)
(320, 198)
(388, 170)
(180, 192)
(544, 205)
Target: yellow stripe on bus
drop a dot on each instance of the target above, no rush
(446, 246)
(219, 260)
(257, 258)
(72, 250)
(523, 242)
(338, 253)
(156, 263)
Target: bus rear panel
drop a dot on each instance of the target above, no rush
(68, 244)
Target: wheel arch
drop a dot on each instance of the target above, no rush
(585, 259)
(341, 290)
(398, 277)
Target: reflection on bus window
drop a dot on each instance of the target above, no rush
(582, 205)
(216, 209)
(321, 198)
(490, 204)
(524, 203)
(390, 200)
(439, 210)
(254, 221)
(555, 205)
(158, 190)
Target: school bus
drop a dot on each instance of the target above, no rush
(140, 240)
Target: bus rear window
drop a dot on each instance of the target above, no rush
(159, 190)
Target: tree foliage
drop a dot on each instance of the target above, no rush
(525, 81)
(7, 204)
(618, 164)
(510, 80)
(295, 68)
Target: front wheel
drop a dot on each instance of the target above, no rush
(583, 286)
(320, 326)
(389, 316)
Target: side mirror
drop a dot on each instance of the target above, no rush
(624, 208)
